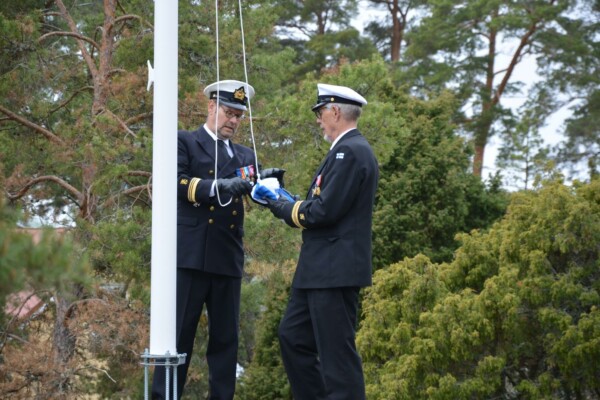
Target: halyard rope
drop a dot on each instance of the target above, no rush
(218, 96)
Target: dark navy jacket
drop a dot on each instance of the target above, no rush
(209, 236)
(336, 218)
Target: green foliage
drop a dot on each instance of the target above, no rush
(523, 156)
(326, 15)
(426, 191)
(319, 32)
(583, 138)
(119, 248)
(329, 50)
(570, 61)
(34, 264)
(265, 377)
(513, 316)
(253, 298)
(267, 239)
(52, 264)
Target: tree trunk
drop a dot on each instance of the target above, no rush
(397, 32)
(486, 119)
(106, 51)
(63, 339)
(478, 159)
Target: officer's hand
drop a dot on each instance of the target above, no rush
(280, 208)
(273, 173)
(234, 186)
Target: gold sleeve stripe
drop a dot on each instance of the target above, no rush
(295, 214)
(192, 189)
(195, 182)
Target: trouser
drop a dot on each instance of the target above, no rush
(319, 354)
(221, 294)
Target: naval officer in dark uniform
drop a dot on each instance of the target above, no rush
(213, 174)
(317, 332)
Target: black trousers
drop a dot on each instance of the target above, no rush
(221, 294)
(316, 336)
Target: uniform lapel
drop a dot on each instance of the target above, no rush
(329, 156)
(319, 170)
(207, 143)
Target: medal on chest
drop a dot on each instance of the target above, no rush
(317, 189)
(247, 173)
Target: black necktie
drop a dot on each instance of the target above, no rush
(223, 154)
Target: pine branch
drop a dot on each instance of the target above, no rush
(139, 173)
(23, 121)
(515, 59)
(70, 34)
(47, 178)
(137, 118)
(73, 26)
(64, 103)
(120, 122)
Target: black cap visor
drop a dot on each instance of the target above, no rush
(318, 105)
(230, 99)
(226, 102)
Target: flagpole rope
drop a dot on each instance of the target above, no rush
(216, 187)
(249, 102)
(247, 91)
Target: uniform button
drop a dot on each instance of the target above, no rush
(232, 226)
(236, 200)
(212, 208)
(211, 172)
(210, 221)
(234, 212)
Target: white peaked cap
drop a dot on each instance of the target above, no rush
(231, 93)
(337, 94)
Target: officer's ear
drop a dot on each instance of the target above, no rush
(212, 107)
(336, 111)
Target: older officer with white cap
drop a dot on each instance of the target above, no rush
(213, 174)
(317, 331)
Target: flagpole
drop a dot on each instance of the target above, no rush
(164, 76)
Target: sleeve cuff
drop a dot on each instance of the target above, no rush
(193, 185)
(297, 216)
(212, 189)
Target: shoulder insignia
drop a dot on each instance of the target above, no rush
(339, 156)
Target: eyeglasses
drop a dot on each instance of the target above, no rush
(318, 112)
(231, 115)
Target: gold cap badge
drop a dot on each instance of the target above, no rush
(239, 94)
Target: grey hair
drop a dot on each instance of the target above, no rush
(350, 112)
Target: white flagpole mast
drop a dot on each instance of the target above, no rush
(164, 179)
(164, 194)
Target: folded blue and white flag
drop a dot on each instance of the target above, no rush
(268, 188)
